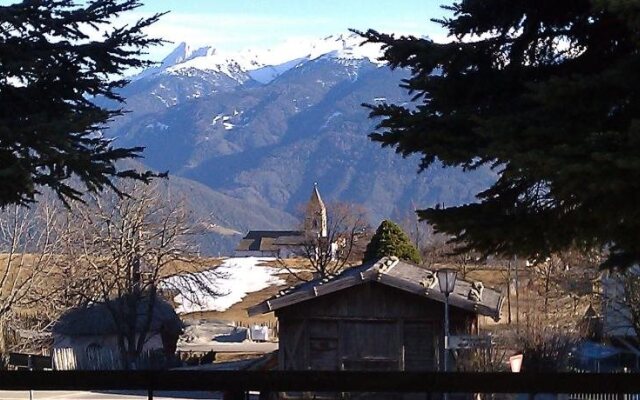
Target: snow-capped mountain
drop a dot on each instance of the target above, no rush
(261, 126)
(182, 53)
(264, 65)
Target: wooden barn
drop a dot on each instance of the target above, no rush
(384, 315)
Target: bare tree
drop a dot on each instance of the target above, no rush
(547, 275)
(433, 247)
(510, 269)
(418, 231)
(545, 348)
(464, 260)
(29, 246)
(436, 248)
(126, 249)
(565, 280)
(346, 238)
(630, 299)
(621, 298)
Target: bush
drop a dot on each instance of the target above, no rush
(390, 240)
(545, 350)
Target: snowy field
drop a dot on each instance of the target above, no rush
(234, 279)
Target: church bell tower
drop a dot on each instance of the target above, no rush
(315, 222)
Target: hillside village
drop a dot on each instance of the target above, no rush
(252, 304)
(364, 214)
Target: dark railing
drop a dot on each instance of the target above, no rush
(238, 382)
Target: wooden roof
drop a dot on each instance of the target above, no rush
(391, 272)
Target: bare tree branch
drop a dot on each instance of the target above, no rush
(126, 249)
(347, 232)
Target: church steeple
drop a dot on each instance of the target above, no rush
(316, 214)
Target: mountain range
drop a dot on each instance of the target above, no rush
(247, 134)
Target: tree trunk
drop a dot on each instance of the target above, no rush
(4, 356)
(517, 294)
(547, 280)
(509, 291)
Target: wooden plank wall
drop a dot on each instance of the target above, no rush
(367, 327)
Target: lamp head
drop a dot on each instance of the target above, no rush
(447, 280)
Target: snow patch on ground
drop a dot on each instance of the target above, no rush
(161, 99)
(158, 125)
(234, 279)
(226, 120)
(329, 118)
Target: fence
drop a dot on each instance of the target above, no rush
(237, 383)
(102, 359)
(603, 396)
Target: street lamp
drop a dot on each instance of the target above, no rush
(447, 282)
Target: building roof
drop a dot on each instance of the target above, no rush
(269, 240)
(96, 319)
(291, 240)
(395, 273)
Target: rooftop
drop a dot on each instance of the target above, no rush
(395, 273)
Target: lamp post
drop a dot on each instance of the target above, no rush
(447, 283)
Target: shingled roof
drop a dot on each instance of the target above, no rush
(394, 273)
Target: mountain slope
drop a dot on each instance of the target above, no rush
(261, 143)
(225, 219)
(222, 220)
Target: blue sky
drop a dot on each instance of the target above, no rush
(238, 24)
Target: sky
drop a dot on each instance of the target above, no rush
(232, 25)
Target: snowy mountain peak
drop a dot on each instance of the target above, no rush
(265, 65)
(346, 46)
(178, 54)
(184, 52)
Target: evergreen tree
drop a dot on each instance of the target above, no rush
(390, 240)
(52, 66)
(547, 93)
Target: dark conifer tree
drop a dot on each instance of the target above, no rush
(56, 56)
(390, 240)
(548, 94)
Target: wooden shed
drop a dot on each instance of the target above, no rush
(383, 315)
(89, 334)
